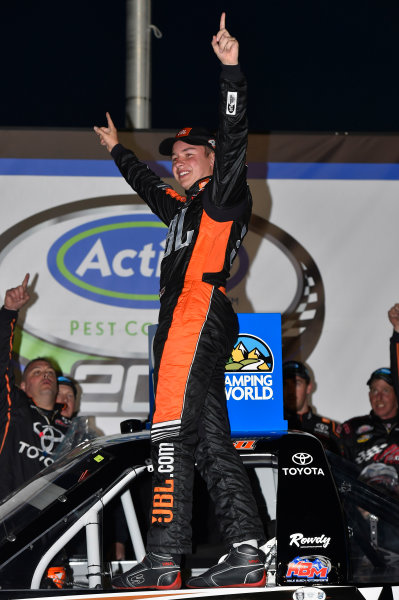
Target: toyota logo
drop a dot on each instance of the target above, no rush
(302, 458)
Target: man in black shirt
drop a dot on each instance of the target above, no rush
(298, 387)
(30, 427)
(372, 441)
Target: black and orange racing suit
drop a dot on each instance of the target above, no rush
(29, 435)
(327, 430)
(196, 333)
(394, 353)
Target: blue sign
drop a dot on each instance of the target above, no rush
(253, 376)
(113, 261)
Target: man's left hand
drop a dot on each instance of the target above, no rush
(224, 45)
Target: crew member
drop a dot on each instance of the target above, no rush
(297, 391)
(372, 441)
(31, 427)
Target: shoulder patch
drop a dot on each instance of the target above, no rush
(231, 106)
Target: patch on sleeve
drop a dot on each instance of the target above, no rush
(231, 107)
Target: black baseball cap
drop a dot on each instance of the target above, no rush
(382, 373)
(62, 380)
(293, 368)
(197, 136)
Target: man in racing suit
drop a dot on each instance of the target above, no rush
(196, 333)
(31, 429)
(393, 316)
(372, 441)
(297, 389)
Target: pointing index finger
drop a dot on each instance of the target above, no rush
(223, 20)
(25, 281)
(109, 120)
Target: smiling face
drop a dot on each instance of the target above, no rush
(40, 383)
(383, 399)
(190, 163)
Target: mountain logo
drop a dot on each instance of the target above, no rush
(250, 354)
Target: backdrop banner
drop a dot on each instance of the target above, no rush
(321, 250)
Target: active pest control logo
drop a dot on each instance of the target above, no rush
(114, 260)
(248, 372)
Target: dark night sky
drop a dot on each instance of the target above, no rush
(327, 65)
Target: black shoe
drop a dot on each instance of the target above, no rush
(242, 567)
(155, 572)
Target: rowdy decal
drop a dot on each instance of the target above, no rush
(298, 539)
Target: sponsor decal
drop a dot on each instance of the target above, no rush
(248, 372)
(84, 475)
(35, 453)
(166, 458)
(303, 459)
(231, 106)
(364, 438)
(322, 428)
(309, 593)
(183, 132)
(162, 502)
(389, 456)
(364, 429)
(163, 499)
(250, 354)
(370, 453)
(49, 436)
(244, 444)
(309, 568)
(302, 471)
(98, 458)
(115, 260)
(299, 540)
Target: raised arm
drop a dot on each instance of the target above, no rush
(393, 316)
(15, 298)
(160, 197)
(229, 177)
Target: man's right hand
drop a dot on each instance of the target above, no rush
(17, 297)
(393, 315)
(108, 135)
